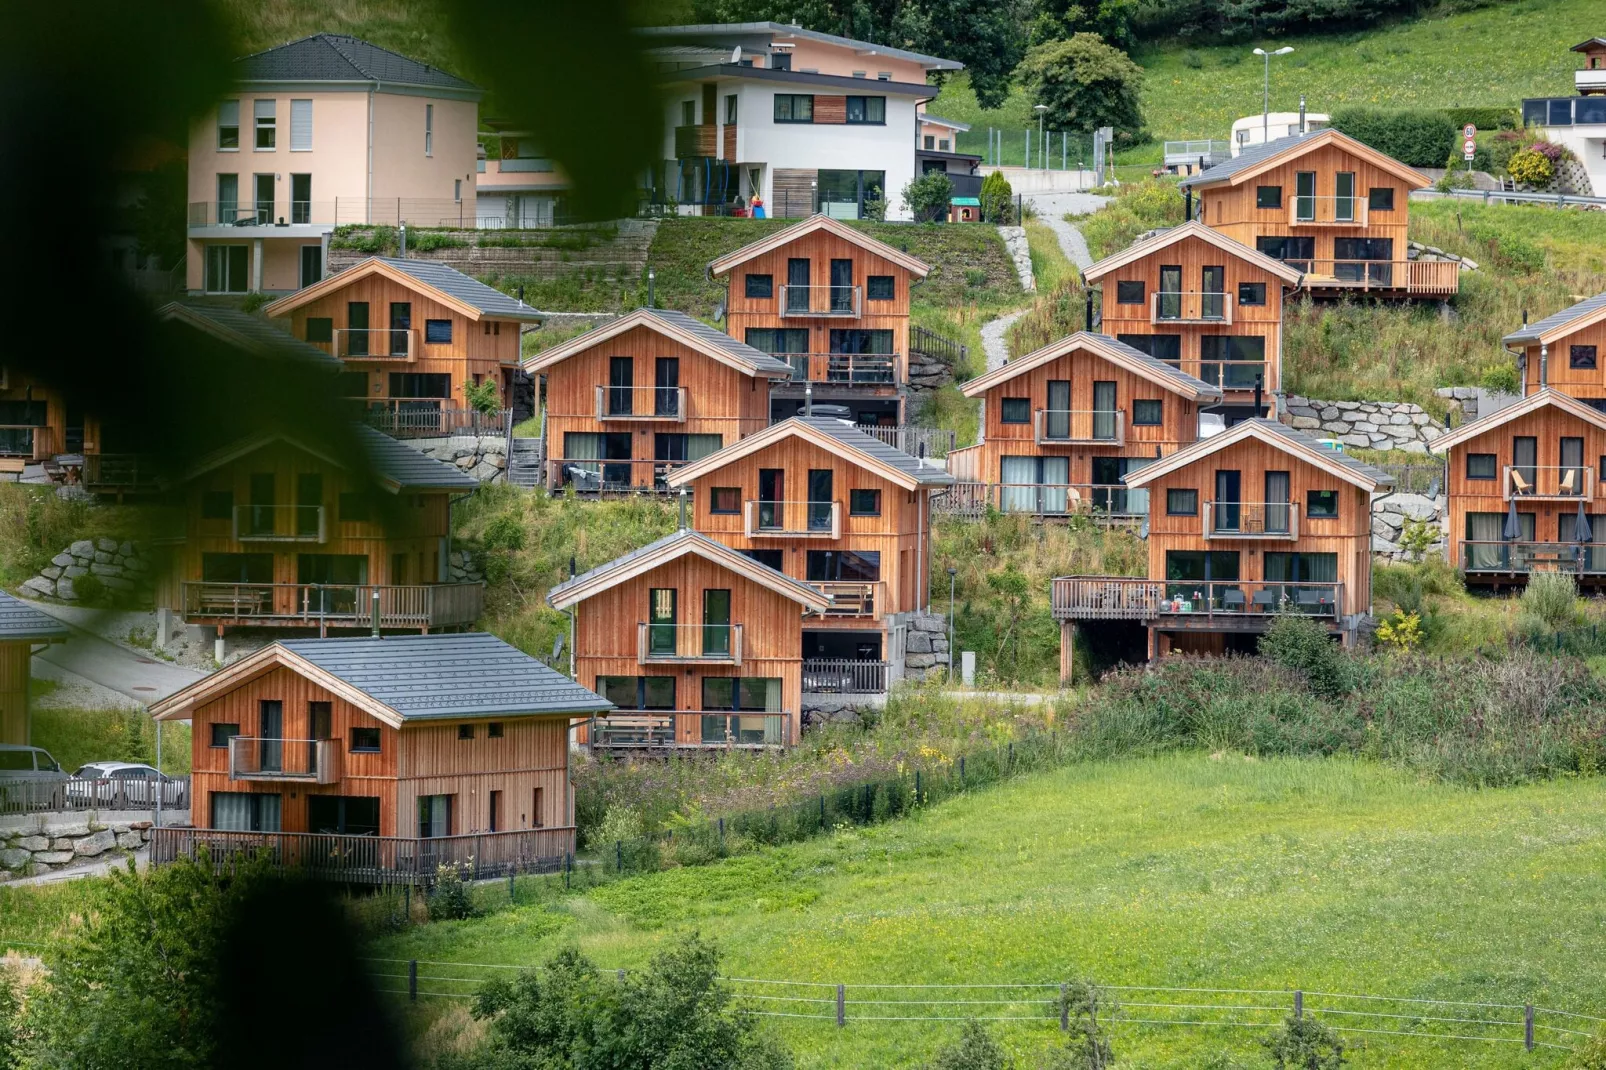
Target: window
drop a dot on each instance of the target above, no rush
(301, 126)
(761, 286)
(1268, 196)
(1294, 249)
(438, 332)
(931, 142)
(872, 110)
(1147, 413)
(1251, 293)
(311, 255)
(1321, 504)
(1129, 293)
(1181, 502)
(465, 731)
(1015, 410)
(1305, 195)
(1481, 466)
(1344, 195)
(217, 504)
(227, 266)
(320, 329)
(781, 61)
(267, 131)
(429, 129)
(725, 501)
(434, 815)
(879, 287)
(1380, 199)
(1581, 357)
(858, 74)
(494, 730)
(638, 692)
(457, 189)
(1158, 346)
(770, 558)
(228, 125)
(864, 503)
(245, 811)
(844, 566)
(730, 109)
(943, 145)
(794, 108)
(223, 731)
(688, 113)
(354, 506)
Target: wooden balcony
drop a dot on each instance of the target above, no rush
(655, 403)
(854, 599)
(603, 477)
(1236, 605)
(1250, 520)
(1190, 306)
(312, 761)
(281, 523)
(804, 301)
(1079, 427)
(1521, 558)
(844, 369)
(792, 520)
(1549, 483)
(332, 605)
(664, 730)
(689, 644)
(695, 141)
(1413, 278)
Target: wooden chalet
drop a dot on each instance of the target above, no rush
(284, 533)
(412, 334)
(823, 502)
(1524, 491)
(1196, 299)
(376, 760)
(629, 402)
(1328, 205)
(1564, 352)
(834, 303)
(22, 628)
(695, 644)
(1258, 519)
(1062, 425)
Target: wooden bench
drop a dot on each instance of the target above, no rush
(13, 466)
(233, 604)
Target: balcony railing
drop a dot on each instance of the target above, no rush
(844, 369)
(592, 476)
(1425, 277)
(429, 418)
(835, 676)
(1188, 153)
(1531, 481)
(280, 523)
(641, 403)
(1250, 520)
(1516, 556)
(1587, 80)
(121, 472)
(799, 520)
(1099, 427)
(372, 343)
(386, 211)
(1190, 306)
(820, 301)
(716, 643)
(970, 501)
(688, 730)
(938, 441)
(316, 761)
(1227, 374)
(1565, 111)
(317, 605)
(1328, 211)
(410, 860)
(853, 599)
(1125, 598)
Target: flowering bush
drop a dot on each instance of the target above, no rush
(1551, 151)
(1532, 168)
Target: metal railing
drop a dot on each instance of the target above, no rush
(342, 211)
(418, 418)
(970, 501)
(121, 472)
(592, 476)
(1512, 196)
(693, 730)
(932, 344)
(1520, 556)
(800, 519)
(1179, 153)
(641, 403)
(844, 369)
(1421, 477)
(1226, 374)
(426, 606)
(820, 301)
(938, 441)
(1328, 210)
(372, 343)
(1128, 598)
(1548, 481)
(721, 643)
(92, 793)
(1250, 520)
(1564, 111)
(316, 761)
(1105, 427)
(831, 676)
(280, 523)
(1190, 306)
(853, 599)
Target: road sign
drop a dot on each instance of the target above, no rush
(1469, 148)
(1469, 131)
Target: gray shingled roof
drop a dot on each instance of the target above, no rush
(931, 473)
(434, 677)
(1249, 157)
(1532, 331)
(329, 57)
(1171, 371)
(1294, 434)
(408, 468)
(253, 332)
(18, 620)
(761, 362)
(449, 280)
(708, 31)
(684, 535)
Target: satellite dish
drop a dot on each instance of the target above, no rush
(557, 647)
(719, 312)
(736, 54)
(1143, 533)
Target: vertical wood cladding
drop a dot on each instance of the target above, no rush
(1585, 382)
(793, 192)
(14, 726)
(832, 110)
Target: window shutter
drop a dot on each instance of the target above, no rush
(228, 113)
(301, 126)
(263, 109)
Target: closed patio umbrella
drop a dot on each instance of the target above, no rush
(1513, 528)
(1582, 531)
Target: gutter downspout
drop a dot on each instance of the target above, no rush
(368, 210)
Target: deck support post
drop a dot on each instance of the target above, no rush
(217, 646)
(1067, 651)
(1154, 645)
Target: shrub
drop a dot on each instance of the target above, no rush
(1551, 151)
(1590, 1056)
(1531, 168)
(927, 197)
(997, 198)
(974, 1049)
(483, 396)
(1415, 138)
(452, 898)
(1088, 1048)
(1297, 642)
(1484, 118)
(1501, 377)
(1402, 631)
(1551, 597)
(1418, 536)
(1305, 1044)
(1503, 146)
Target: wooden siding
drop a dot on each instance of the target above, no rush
(832, 110)
(533, 752)
(51, 438)
(1583, 383)
(794, 192)
(14, 722)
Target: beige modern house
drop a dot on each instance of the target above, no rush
(319, 132)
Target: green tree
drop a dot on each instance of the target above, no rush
(1112, 20)
(997, 198)
(928, 196)
(987, 36)
(1086, 84)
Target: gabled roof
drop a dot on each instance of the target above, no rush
(671, 547)
(1192, 229)
(678, 326)
(1593, 42)
(712, 30)
(406, 679)
(397, 467)
(444, 283)
(245, 331)
(951, 124)
(1560, 324)
(20, 622)
(1276, 435)
(1116, 352)
(1543, 399)
(1258, 158)
(329, 57)
(781, 238)
(836, 437)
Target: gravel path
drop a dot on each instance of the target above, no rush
(1052, 208)
(993, 342)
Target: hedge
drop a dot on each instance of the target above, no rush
(1486, 118)
(1415, 138)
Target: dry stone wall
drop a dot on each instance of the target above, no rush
(483, 457)
(1372, 425)
(122, 567)
(55, 841)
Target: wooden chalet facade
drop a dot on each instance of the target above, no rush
(833, 302)
(1196, 299)
(1328, 205)
(1565, 352)
(1257, 519)
(376, 760)
(411, 334)
(629, 402)
(833, 507)
(22, 628)
(279, 533)
(1060, 427)
(1524, 492)
(695, 644)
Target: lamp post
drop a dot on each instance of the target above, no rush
(952, 572)
(1042, 149)
(1265, 93)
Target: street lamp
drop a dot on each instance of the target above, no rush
(952, 572)
(1042, 150)
(1265, 93)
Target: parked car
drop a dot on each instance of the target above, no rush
(29, 776)
(117, 783)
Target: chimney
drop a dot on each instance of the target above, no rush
(683, 508)
(1089, 299)
(571, 566)
(1187, 204)
(921, 455)
(376, 613)
(808, 399)
(1301, 113)
(1257, 395)
(401, 238)
(1544, 365)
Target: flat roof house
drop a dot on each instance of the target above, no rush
(322, 131)
(1578, 122)
(375, 760)
(22, 628)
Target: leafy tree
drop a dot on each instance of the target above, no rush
(483, 396)
(928, 196)
(1086, 84)
(1113, 20)
(974, 1049)
(997, 198)
(1297, 642)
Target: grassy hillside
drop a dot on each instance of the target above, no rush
(1327, 875)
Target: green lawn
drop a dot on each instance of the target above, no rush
(1327, 875)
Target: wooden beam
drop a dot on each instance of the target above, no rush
(1067, 651)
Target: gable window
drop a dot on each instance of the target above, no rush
(879, 287)
(1147, 413)
(364, 740)
(1380, 199)
(1321, 504)
(223, 731)
(1268, 196)
(1129, 293)
(1181, 502)
(1581, 357)
(228, 125)
(725, 501)
(864, 502)
(1481, 466)
(761, 286)
(1015, 410)
(794, 108)
(1251, 293)
(438, 332)
(867, 110)
(217, 504)
(429, 129)
(267, 131)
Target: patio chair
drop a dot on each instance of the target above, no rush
(1232, 600)
(1264, 600)
(1309, 600)
(1522, 485)
(1569, 481)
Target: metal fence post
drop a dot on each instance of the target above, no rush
(841, 1006)
(917, 787)
(961, 770)
(722, 834)
(1065, 1007)
(619, 856)
(412, 980)
(510, 886)
(1528, 1026)
(1299, 1003)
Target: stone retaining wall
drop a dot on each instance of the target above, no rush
(483, 457)
(1390, 515)
(1020, 254)
(1374, 425)
(463, 567)
(124, 567)
(53, 841)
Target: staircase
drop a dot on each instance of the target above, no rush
(524, 463)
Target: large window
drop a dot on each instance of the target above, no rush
(227, 269)
(741, 693)
(867, 110)
(228, 125)
(844, 194)
(1301, 567)
(1158, 346)
(343, 815)
(434, 815)
(420, 385)
(267, 131)
(1233, 362)
(638, 692)
(245, 811)
(1298, 251)
(844, 566)
(228, 199)
(778, 340)
(794, 108)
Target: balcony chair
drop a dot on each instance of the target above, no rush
(1568, 481)
(1521, 485)
(1264, 600)
(1232, 600)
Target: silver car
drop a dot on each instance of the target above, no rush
(29, 777)
(122, 785)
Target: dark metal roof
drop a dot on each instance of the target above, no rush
(1170, 371)
(930, 473)
(20, 621)
(1532, 331)
(1593, 42)
(449, 280)
(767, 74)
(329, 57)
(684, 535)
(761, 362)
(252, 332)
(709, 31)
(1249, 157)
(407, 468)
(435, 677)
(1294, 434)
